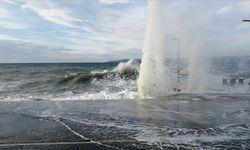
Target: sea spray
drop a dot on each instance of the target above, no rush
(199, 75)
(153, 79)
(195, 73)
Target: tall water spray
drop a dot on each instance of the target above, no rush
(196, 72)
(153, 79)
(198, 80)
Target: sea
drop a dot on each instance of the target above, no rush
(99, 102)
(65, 81)
(108, 80)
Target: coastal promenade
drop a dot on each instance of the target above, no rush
(174, 122)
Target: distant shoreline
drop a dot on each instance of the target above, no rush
(116, 61)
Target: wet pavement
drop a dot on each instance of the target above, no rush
(184, 121)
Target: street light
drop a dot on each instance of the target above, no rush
(178, 59)
(245, 20)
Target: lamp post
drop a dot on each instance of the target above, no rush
(178, 59)
(245, 20)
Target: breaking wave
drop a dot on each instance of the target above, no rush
(127, 70)
(118, 82)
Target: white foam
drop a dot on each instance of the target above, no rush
(129, 65)
(102, 95)
(99, 71)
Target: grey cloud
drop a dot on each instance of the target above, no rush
(25, 52)
(21, 52)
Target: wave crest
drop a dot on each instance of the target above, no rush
(127, 70)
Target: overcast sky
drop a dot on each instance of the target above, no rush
(101, 30)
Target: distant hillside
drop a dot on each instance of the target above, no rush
(123, 60)
(117, 61)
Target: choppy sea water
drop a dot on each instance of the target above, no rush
(88, 81)
(66, 81)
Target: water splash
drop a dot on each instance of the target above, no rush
(199, 77)
(196, 72)
(152, 79)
